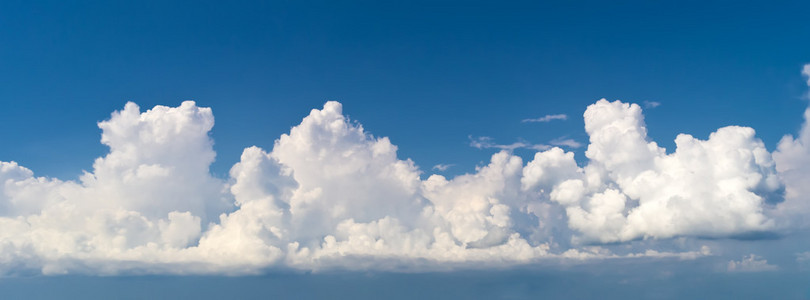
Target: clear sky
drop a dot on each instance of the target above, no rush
(450, 84)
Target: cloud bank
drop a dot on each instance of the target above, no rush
(330, 195)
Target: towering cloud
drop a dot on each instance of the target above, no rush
(148, 196)
(632, 189)
(329, 191)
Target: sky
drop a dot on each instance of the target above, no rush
(460, 149)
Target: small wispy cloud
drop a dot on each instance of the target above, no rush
(442, 167)
(485, 142)
(546, 118)
(651, 104)
(571, 143)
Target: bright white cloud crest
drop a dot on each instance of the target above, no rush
(330, 195)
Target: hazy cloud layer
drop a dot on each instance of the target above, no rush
(329, 195)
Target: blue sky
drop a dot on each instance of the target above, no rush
(425, 74)
(435, 78)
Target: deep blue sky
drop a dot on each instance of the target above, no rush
(427, 74)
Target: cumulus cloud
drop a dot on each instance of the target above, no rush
(330, 195)
(631, 188)
(792, 157)
(546, 118)
(750, 263)
(149, 197)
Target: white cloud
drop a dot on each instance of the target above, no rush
(329, 195)
(145, 201)
(546, 118)
(328, 192)
(750, 263)
(632, 189)
(158, 163)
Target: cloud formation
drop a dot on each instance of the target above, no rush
(631, 188)
(330, 195)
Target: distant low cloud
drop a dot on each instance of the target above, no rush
(750, 263)
(803, 257)
(546, 118)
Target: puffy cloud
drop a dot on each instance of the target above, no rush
(344, 173)
(144, 201)
(158, 163)
(631, 188)
(329, 194)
